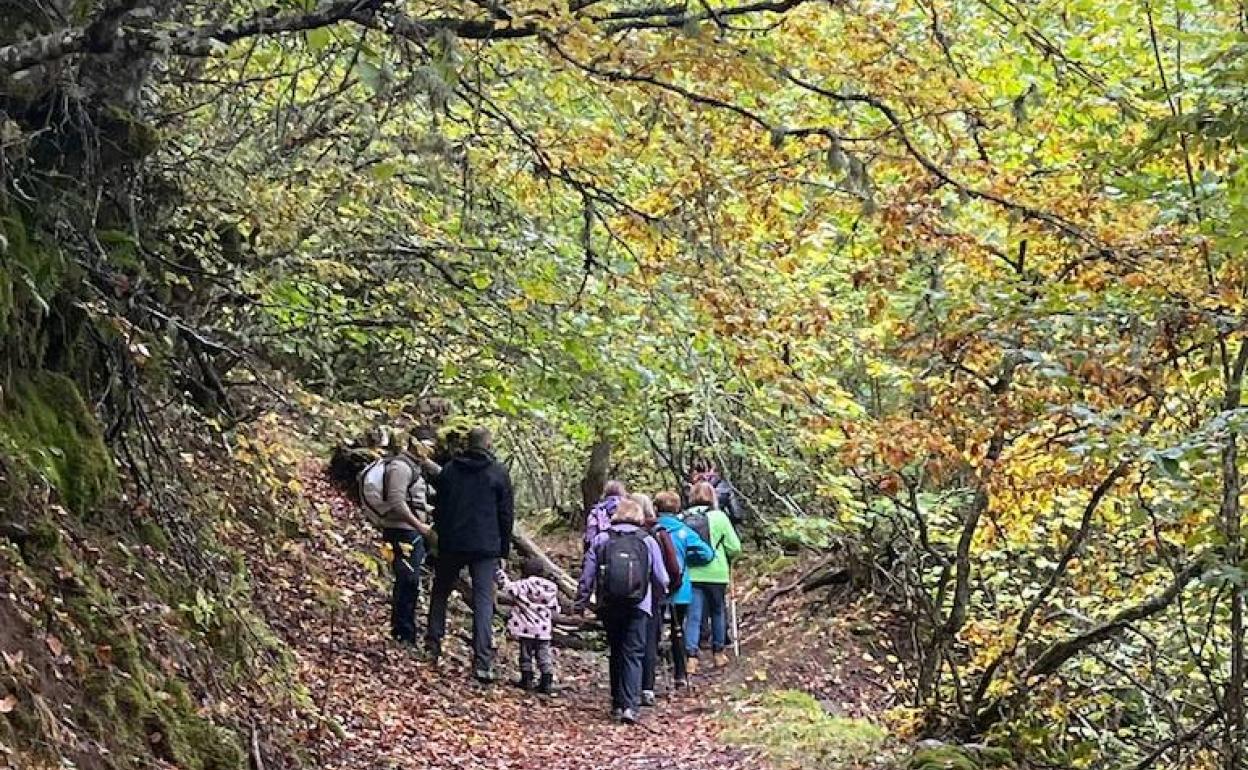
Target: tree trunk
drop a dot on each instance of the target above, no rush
(595, 478)
(1233, 749)
(530, 549)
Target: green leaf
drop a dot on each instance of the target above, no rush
(319, 38)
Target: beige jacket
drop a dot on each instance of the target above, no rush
(406, 495)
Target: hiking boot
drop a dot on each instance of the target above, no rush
(526, 680)
(629, 717)
(721, 659)
(547, 685)
(647, 697)
(682, 684)
(692, 666)
(484, 675)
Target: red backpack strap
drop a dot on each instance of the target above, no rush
(671, 561)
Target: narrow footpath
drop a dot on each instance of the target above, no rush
(381, 707)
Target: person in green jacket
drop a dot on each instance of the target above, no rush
(710, 581)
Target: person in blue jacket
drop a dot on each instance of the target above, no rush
(691, 550)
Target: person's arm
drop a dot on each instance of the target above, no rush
(658, 570)
(591, 527)
(398, 479)
(697, 550)
(552, 599)
(728, 537)
(585, 586)
(506, 510)
(506, 585)
(431, 469)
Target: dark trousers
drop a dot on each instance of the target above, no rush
(536, 651)
(654, 634)
(680, 658)
(409, 556)
(626, 638)
(481, 573)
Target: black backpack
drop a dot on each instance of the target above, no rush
(624, 568)
(697, 520)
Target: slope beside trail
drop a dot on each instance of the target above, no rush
(382, 708)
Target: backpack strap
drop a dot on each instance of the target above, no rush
(385, 482)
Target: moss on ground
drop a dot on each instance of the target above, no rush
(793, 730)
(959, 758)
(45, 424)
(30, 275)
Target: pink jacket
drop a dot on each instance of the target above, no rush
(536, 604)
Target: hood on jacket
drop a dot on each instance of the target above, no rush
(541, 590)
(474, 459)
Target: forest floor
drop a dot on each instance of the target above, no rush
(382, 707)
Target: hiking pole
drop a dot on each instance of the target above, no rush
(736, 629)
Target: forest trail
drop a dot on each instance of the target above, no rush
(390, 710)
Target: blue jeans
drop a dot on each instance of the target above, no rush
(708, 599)
(406, 581)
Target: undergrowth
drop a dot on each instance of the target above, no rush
(793, 730)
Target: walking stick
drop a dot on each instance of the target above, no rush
(736, 629)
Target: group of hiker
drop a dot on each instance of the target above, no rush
(466, 507)
(649, 564)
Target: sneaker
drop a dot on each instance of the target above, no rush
(484, 675)
(721, 659)
(629, 717)
(692, 666)
(682, 684)
(647, 697)
(617, 713)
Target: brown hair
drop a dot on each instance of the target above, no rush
(628, 512)
(614, 488)
(702, 494)
(667, 502)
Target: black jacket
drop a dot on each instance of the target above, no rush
(475, 507)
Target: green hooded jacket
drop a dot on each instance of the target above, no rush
(726, 544)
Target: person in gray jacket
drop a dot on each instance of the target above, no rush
(403, 526)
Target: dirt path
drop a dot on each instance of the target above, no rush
(386, 709)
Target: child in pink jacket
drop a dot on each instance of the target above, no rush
(535, 604)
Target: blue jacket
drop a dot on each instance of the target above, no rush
(688, 547)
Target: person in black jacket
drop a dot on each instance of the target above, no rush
(472, 516)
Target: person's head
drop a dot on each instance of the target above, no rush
(702, 493)
(647, 507)
(532, 567)
(393, 441)
(614, 488)
(480, 439)
(422, 442)
(667, 502)
(628, 512)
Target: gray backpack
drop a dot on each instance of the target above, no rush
(373, 490)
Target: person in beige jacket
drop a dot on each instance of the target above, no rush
(402, 519)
